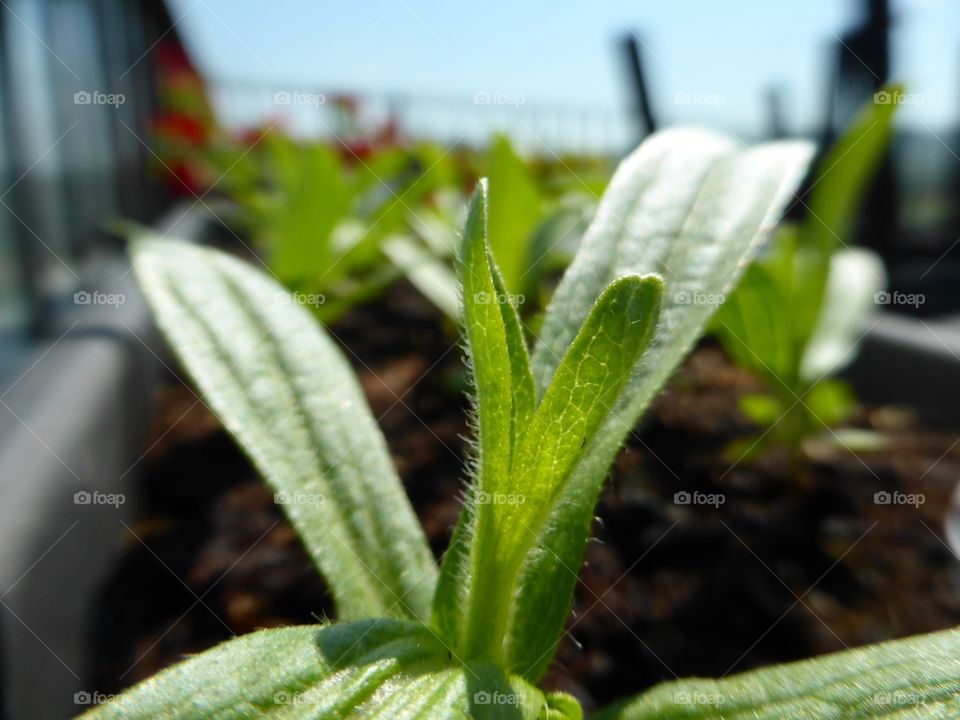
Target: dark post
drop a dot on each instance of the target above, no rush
(862, 68)
(638, 87)
(776, 125)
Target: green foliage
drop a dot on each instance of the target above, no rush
(322, 224)
(913, 679)
(516, 209)
(526, 455)
(285, 391)
(801, 307)
(532, 230)
(688, 206)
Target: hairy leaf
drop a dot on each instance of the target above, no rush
(913, 679)
(285, 391)
(504, 406)
(532, 545)
(366, 670)
(503, 548)
(689, 206)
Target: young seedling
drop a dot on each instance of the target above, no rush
(531, 231)
(474, 639)
(321, 224)
(802, 306)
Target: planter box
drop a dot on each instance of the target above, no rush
(916, 363)
(73, 420)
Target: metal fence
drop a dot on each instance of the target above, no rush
(535, 127)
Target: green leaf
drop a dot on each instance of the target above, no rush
(832, 401)
(311, 198)
(916, 678)
(849, 301)
(842, 179)
(426, 272)
(499, 583)
(366, 670)
(691, 207)
(536, 546)
(285, 391)
(504, 405)
(515, 212)
(754, 325)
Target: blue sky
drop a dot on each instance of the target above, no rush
(563, 53)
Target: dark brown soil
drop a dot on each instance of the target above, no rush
(792, 564)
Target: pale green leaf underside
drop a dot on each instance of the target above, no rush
(285, 391)
(370, 670)
(688, 205)
(849, 301)
(426, 271)
(913, 679)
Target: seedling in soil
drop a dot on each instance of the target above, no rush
(801, 307)
(474, 637)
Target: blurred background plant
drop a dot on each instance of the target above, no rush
(798, 314)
